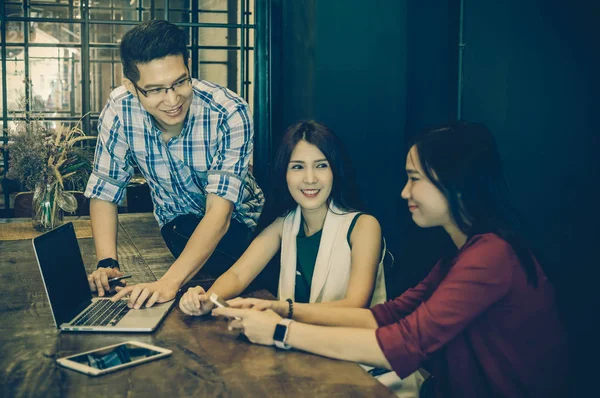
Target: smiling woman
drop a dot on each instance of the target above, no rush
(309, 180)
(427, 204)
(331, 253)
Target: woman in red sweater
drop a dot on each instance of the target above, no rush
(484, 322)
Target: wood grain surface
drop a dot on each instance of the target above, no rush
(207, 360)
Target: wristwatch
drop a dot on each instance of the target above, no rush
(281, 333)
(108, 263)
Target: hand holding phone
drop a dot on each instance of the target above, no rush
(218, 301)
(118, 278)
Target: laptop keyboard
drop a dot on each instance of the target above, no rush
(103, 313)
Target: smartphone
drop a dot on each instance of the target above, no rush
(112, 358)
(118, 278)
(218, 301)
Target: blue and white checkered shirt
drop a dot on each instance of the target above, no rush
(211, 155)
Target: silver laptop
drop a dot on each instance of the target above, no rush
(69, 294)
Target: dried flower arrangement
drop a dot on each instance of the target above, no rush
(46, 159)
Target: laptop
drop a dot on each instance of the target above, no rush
(69, 294)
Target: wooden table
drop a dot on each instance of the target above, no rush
(207, 360)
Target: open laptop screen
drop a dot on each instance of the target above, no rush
(63, 272)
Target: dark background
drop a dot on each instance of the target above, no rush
(377, 72)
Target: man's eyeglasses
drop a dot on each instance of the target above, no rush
(162, 91)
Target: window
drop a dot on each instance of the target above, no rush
(55, 44)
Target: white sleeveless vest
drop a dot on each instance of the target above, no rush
(332, 272)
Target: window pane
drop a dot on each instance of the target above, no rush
(218, 37)
(222, 11)
(55, 75)
(107, 34)
(15, 32)
(250, 10)
(13, 9)
(224, 67)
(45, 3)
(179, 10)
(15, 75)
(53, 11)
(175, 15)
(216, 72)
(174, 4)
(224, 37)
(43, 32)
(106, 73)
(66, 33)
(213, 16)
(115, 12)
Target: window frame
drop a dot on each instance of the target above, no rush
(241, 45)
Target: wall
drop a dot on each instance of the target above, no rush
(379, 73)
(530, 73)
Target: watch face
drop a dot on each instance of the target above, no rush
(279, 334)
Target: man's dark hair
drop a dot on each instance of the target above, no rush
(149, 41)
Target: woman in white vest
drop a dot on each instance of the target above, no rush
(331, 253)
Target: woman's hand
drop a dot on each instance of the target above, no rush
(195, 302)
(258, 326)
(279, 307)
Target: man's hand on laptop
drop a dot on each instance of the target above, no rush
(149, 293)
(98, 279)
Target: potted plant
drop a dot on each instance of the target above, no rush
(45, 160)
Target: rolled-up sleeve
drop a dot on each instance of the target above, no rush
(230, 164)
(390, 311)
(112, 171)
(470, 287)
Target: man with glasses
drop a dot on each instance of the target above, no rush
(192, 141)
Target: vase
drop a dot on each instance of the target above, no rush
(46, 213)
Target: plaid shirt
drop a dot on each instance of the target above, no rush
(211, 155)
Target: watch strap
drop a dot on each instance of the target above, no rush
(108, 263)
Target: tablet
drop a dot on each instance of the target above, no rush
(112, 358)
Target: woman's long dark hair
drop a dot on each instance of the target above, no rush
(279, 201)
(462, 161)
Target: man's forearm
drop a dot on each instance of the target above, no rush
(103, 216)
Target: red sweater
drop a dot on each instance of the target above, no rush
(478, 327)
